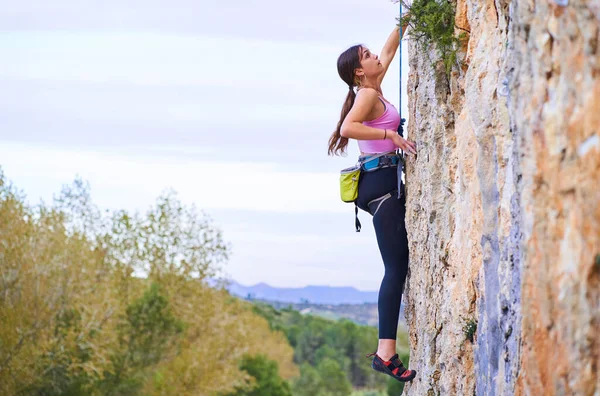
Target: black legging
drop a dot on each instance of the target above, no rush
(393, 243)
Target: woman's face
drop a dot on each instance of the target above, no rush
(371, 66)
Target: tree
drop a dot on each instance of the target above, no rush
(148, 330)
(311, 338)
(309, 383)
(266, 380)
(335, 381)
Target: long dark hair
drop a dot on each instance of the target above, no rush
(347, 63)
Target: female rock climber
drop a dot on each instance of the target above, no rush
(373, 121)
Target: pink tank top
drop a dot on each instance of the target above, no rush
(390, 119)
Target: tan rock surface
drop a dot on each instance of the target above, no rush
(503, 207)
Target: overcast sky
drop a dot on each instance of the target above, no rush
(229, 103)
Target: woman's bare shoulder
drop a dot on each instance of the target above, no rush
(367, 94)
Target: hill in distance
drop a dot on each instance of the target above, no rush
(307, 294)
(325, 301)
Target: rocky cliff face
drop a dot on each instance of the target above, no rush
(503, 206)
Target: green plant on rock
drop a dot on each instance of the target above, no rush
(469, 328)
(431, 24)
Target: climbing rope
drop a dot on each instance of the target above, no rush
(402, 120)
(401, 126)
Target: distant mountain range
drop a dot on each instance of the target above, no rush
(308, 294)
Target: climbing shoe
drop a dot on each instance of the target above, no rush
(393, 367)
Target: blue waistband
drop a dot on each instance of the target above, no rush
(384, 161)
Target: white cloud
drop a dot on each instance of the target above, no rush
(159, 59)
(119, 179)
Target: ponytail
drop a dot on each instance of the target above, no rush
(347, 63)
(338, 143)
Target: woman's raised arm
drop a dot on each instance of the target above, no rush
(389, 50)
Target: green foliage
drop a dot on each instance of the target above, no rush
(369, 393)
(76, 321)
(394, 387)
(310, 382)
(469, 328)
(272, 315)
(335, 381)
(55, 364)
(318, 342)
(328, 352)
(310, 339)
(147, 330)
(266, 380)
(150, 326)
(432, 25)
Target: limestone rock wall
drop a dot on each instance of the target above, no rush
(503, 206)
